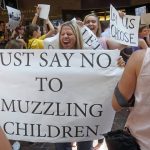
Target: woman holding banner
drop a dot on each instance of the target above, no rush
(70, 38)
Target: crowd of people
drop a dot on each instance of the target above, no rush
(134, 80)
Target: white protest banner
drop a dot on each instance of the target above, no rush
(145, 19)
(124, 30)
(14, 17)
(44, 11)
(57, 95)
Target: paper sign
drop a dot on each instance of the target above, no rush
(14, 17)
(124, 30)
(44, 11)
(89, 39)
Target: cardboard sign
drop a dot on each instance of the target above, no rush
(14, 17)
(124, 30)
(44, 11)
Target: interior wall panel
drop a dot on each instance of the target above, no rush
(85, 4)
(56, 5)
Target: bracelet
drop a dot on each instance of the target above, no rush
(120, 98)
(36, 14)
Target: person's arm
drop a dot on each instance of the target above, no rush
(121, 13)
(120, 62)
(111, 44)
(142, 44)
(80, 23)
(13, 35)
(38, 9)
(51, 27)
(4, 143)
(115, 45)
(127, 84)
(148, 41)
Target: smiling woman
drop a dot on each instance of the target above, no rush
(67, 38)
(70, 36)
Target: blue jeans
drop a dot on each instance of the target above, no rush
(85, 145)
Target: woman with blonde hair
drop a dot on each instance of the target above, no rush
(74, 28)
(70, 37)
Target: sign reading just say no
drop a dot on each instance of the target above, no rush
(57, 95)
(124, 29)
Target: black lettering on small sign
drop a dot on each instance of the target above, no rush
(121, 35)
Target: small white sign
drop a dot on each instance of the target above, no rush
(124, 30)
(14, 16)
(140, 11)
(44, 11)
